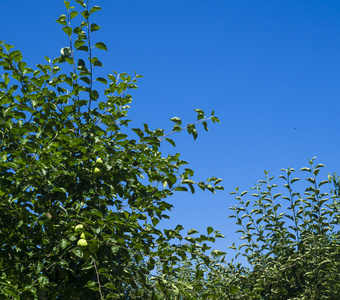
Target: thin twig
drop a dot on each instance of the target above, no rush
(100, 290)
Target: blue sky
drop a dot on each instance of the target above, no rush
(269, 69)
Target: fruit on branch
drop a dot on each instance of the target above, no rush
(82, 243)
(99, 161)
(97, 171)
(79, 228)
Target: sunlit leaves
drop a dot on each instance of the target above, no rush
(176, 120)
(81, 2)
(62, 20)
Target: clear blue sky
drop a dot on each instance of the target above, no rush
(270, 69)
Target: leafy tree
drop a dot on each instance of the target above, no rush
(80, 194)
(291, 239)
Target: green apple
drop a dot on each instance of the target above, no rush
(99, 161)
(82, 236)
(79, 228)
(97, 171)
(82, 243)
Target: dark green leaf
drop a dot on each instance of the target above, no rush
(101, 79)
(94, 27)
(101, 46)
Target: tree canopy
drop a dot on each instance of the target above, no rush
(80, 197)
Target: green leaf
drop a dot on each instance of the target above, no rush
(78, 43)
(101, 46)
(155, 221)
(219, 235)
(94, 95)
(176, 128)
(233, 289)
(294, 179)
(311, 180)
(16, 56)
(210, 188)
(81, 63)
(171, 141)
(101, 79)
(64, 243)
(94, 27)
(85, 79)
(94, 9)
(210, 230)
(181, 189)
(320, 166)
(67, 30)
(67, 4)
(83, 48)
(277, 195)
(97, 63)
(194, 133)
(323, 182)
(73, 14)
(77, 252)
(85, 14)
(43, 280)
(176, 120)
(205, 125)
(62, 20)
(217, 253)
(192, 231)
(81, 2)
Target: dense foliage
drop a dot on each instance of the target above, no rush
(82, 197)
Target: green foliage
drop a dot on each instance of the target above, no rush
(291, 240)
(80, 198)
